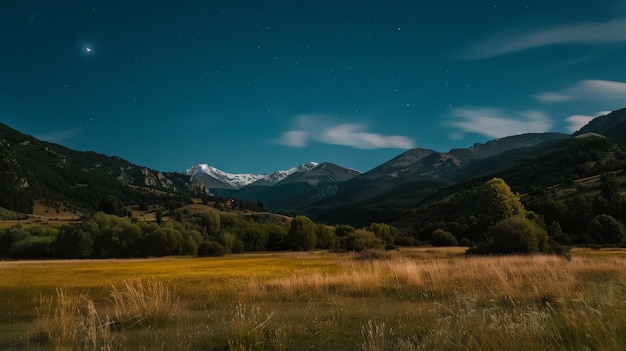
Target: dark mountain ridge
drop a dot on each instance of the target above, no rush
(611, 125)
(31, 169)
(322, 193)
(403, 181)
(296, 191)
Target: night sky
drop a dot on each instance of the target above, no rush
(256, 86)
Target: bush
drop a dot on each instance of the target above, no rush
(211, 248)
(605, 229)
(441, 237)
(514, 235)
(31, 247)
(362, 239)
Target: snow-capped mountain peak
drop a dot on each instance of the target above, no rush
(215, 178)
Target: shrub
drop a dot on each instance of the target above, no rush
(211, 248)
(362, 239)
(440, 237)
(605, 229)
(514, 235)
(31, 247)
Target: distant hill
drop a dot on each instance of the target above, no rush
(388, 190)
(296, 191)
(332, 193)
(610, 125)
(31, 169)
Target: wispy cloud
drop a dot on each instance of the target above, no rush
(613, 31)
(59, 136)
(588, 90)
(498, 123)
(578, 121)
(356, 135)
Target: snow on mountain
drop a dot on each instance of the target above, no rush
(238, 181)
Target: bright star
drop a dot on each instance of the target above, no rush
(88, 49)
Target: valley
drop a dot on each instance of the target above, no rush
(570, 186)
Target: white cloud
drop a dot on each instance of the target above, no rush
(613, 31)
(498, 123)
(294, 138)
(59, 136)
(578, 121)
(588, 90)
(319, 129)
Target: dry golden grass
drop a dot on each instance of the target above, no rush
(413, 300)
(66, 322)
(142, 302)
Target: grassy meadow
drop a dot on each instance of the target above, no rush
(415, 299)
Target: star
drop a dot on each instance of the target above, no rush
(88, 49)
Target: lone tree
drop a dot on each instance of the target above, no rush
(498, 202)
(512, 230)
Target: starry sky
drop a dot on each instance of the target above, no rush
(256, 86)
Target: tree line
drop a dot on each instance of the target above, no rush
(104, 235)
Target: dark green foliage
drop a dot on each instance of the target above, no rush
(514, 235)
(385, 232)
(443, 238)
(10, 236)
(18, 243)
(556, 233)
(211, 221)
(230, 242)
(163, 242)
(31, 247)
(610, 185)
(302, 234)
(277, 236)
(211, 248)
(605, 229)
(466, 242)
(498, 202)
(73, 242)
(255, 238)
(112, 205)
(113, 236)
(326, 237)
(361, 239)
(159, 217)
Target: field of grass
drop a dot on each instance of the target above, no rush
(419, 299)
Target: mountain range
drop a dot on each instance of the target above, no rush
(313, 186)
(214, 178)
(32, 169)
(383, 193)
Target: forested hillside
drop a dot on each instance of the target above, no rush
(31, 169)
(570, 186)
